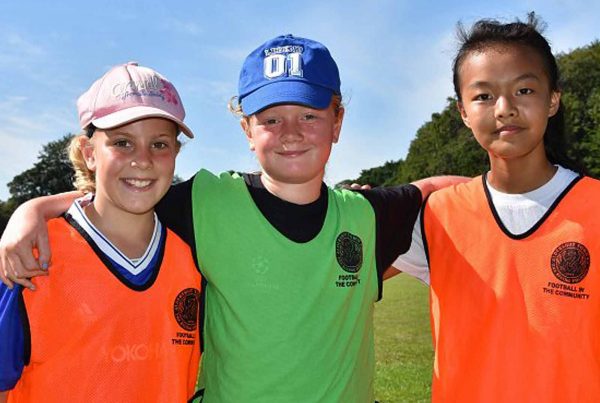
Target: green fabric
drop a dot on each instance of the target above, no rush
(284, 321)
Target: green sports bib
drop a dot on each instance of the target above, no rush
(285, 321)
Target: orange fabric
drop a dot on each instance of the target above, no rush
(93, 339)
(506, 328)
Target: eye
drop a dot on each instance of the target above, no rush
(525, 91)
(309, 116)
(121, 143)
(482, 97)
(270, 121)
(160, 145)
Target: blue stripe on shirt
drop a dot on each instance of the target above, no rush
(12, 350)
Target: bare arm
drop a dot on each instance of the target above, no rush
(26, 230)
(390, 272)
(433, 183)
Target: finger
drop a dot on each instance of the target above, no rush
(43, 246)
(23, 259)
(25, 282)
(12, 275)
(355, 186)
(17, 273)
(20, 278)
(4, 277)
(365, 187)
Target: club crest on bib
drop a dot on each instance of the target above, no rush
(570, 262)
(349, 252)
(185, 308)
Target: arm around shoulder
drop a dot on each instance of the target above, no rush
(433, 183)
(26, 230)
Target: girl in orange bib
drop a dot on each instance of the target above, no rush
(512, 257)
(119, 320)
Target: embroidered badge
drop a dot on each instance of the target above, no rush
(570, 262)
(349, 252)
(186, 308)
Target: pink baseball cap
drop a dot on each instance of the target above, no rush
(127, 93)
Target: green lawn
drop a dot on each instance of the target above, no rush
(403, 346)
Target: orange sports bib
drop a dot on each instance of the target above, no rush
(94, 339)
(514, 319)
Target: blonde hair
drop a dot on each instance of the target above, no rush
(234, 106)
(85, 179)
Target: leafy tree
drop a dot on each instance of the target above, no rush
(51, 174)
(6, 209)
(580, 71)
(176, 179)
(443, 146)
(379, 175)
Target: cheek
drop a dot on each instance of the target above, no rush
(166, 160)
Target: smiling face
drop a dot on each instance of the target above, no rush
(293, 142)
(133, 165)
(506, 100)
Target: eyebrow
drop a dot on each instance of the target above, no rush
(522, 77)
(115, 133)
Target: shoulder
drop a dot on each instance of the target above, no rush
(59, 228)
(457, 192)
(204, 177)
(591, 182)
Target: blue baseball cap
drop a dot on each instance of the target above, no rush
(288, 70)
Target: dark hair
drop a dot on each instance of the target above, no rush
(89, 130)
(491, 33)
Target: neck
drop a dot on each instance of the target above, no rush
(520, 175)
(297, 193)
(130, 233)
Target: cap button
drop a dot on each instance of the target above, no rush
(132, 63)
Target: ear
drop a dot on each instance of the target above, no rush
(245, 123)
(87, 150)
(554, 103)
(337, 125)
(463, 113)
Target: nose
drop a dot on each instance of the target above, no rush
(505, 108)
(291, 132)
(142, 159)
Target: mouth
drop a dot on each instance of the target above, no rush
(291, 153)
(138, 184)
(508, 130)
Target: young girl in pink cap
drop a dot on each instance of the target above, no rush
(118, 319)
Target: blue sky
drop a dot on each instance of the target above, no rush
(394, 59)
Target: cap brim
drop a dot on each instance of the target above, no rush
(286, 92)
(129, 115)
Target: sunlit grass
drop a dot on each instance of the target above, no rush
(403, 347)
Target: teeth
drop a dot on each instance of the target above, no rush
(138, 183)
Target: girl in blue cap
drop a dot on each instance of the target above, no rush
(293, 268)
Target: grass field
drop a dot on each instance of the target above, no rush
(403, 346)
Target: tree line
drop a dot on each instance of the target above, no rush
(443, 145)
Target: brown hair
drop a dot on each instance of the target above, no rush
(236, 108)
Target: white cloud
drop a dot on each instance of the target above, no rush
(18, 53)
